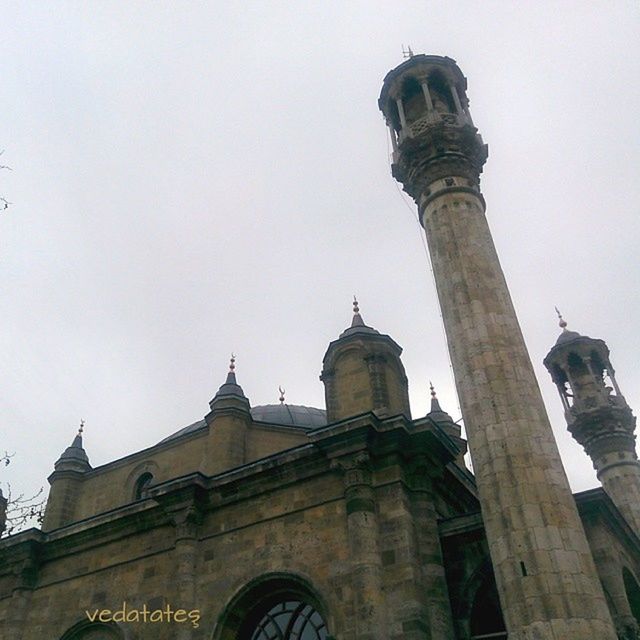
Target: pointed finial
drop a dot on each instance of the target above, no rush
(81, 429)
(232, 363)
(357, 320)
(435, 404)
(562, 323)
(281, 390)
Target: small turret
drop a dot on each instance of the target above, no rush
(362, 371)
(228, 421)
(598, 416)
(230, 394)
(66, 484)
(446, 423)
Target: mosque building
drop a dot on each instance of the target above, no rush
(359, 521)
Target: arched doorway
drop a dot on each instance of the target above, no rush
(274, 607)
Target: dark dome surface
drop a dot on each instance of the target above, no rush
(188, 429)
(291, 415)
(568, 336)
(295, 415)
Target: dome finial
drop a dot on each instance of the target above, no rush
(232, 363)
(435, 404)
(281, 390)
(562, 323)
(81, 428)
(357, 318)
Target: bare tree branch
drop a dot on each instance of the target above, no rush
(18, 511)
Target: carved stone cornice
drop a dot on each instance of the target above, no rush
(355, 468)
(358, 478)
(441, 150)
(185, 510)
(25, 564)
(419, 472)
(604, 430)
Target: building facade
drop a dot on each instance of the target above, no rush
(359, 521)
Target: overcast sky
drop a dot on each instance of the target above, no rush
(194, 178)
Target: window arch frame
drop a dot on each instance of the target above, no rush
(112, 630)
(254, 600)
(142, 482)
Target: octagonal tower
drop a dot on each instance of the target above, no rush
(545, 573)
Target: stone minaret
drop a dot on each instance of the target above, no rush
(598, 416)
(545, 573)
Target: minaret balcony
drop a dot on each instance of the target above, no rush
(431, 119)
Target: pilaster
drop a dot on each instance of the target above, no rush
(366, 566)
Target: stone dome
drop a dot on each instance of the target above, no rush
(294, 415)
(290, 415)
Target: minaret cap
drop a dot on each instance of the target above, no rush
(357, 323)
(230, 386)
(74, 456)
(436, 413)
(566, 335)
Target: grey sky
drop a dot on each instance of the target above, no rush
(195, 178)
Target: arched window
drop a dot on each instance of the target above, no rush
(86, 630)
(486, 615)
(415, 106)
(293, 620)
(441, 93)
(274, 607)
(633, 593)
(142, 483)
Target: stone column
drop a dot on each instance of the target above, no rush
(187, 522)
(536, 540)
(429, 550)
(456, 99)
(25, 570)
(402, 579)
(427, 95)
(403, 119)
(362, 525)
(394, 139)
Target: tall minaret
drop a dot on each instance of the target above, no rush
(598, 416)
(545, 573)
